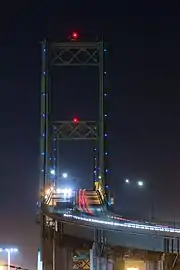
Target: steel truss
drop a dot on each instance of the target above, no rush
(81, 260)
(75, 54)
(81, 264)
(68, 130)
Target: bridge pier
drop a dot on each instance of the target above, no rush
(64, 259)
(99, 263)
(57, 257)
(99, 255)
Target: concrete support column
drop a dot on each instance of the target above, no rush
(64, 258)
(154, 265)
(47, 255)
(160, 265)
(92, 260)
(99, 263)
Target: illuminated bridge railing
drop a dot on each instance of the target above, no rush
(173, 224)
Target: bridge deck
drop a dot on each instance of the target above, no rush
(127, 237)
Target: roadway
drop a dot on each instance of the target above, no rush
(89, 214)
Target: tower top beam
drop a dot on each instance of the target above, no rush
(74, 53)
(75, 44)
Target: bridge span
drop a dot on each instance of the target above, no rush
(129, 234)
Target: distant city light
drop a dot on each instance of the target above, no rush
(127, 181)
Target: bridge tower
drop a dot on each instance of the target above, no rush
(89, 54)
(53, 131)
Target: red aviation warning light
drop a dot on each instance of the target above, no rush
(75, 120)
(74, 36)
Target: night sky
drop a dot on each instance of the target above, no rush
(144, 107)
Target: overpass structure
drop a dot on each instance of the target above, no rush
(81, 220)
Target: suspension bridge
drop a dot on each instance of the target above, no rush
(74, 220)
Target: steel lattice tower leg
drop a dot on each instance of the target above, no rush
(44, 144)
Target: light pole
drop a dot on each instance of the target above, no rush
(9, 251)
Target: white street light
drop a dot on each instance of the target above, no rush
(9, 251)
(140, 183)
(64, 175)
(53, 172)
